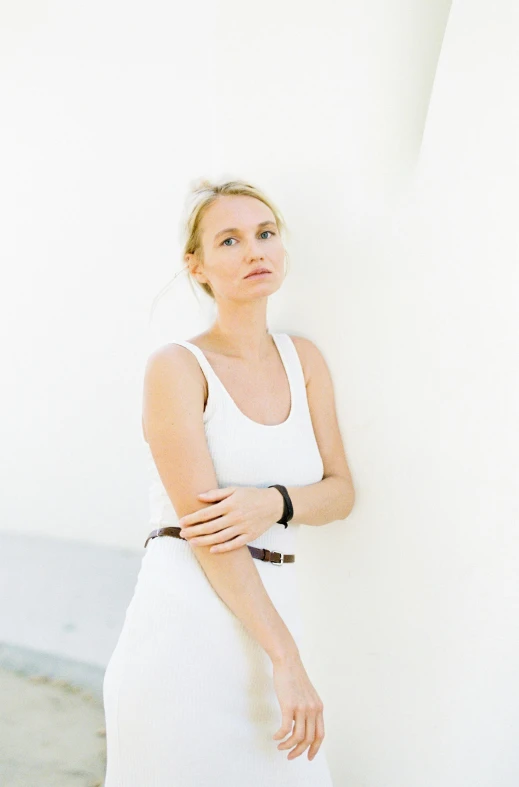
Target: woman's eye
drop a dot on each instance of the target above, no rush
(261, 233)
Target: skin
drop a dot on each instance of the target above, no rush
(241, 323)
(244, 356)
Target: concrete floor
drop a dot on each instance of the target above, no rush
(51, 733)
(62, 606)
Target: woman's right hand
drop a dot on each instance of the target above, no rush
(299, 702)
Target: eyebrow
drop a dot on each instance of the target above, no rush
(237, 229)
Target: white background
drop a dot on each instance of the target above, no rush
(387, 134)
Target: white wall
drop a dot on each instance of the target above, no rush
(406, 280)
(454, 357)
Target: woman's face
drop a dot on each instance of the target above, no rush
(239, 234)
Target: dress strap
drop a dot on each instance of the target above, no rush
(207, 370)
(204, 363)
(294, 370)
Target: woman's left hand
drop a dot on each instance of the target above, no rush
(239, 515)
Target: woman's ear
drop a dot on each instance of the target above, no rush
(195, 267)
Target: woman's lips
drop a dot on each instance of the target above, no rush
(257, 275)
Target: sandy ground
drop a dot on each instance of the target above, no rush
(51, 733)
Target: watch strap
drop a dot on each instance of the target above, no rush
(288, 509)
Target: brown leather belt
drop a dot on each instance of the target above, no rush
(276, 558)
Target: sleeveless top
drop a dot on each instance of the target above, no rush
(247, 453)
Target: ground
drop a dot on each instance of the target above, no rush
(51, 733)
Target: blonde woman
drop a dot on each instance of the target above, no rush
(206, 680)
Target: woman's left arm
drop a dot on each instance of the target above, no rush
(333, 497)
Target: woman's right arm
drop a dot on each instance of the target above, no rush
(172, 417)
(173, 405)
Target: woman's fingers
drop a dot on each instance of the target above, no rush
(319, 735)
(286, 726)
(308, 732)
(234, 543)
(307, 740)
(216, 537)
(205, 528)
(298, 733)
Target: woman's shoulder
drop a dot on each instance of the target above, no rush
(172, 364)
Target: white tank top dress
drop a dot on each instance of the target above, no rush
(188, 693)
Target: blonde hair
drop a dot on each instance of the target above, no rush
(202, 194)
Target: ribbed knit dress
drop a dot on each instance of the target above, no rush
(188, 693)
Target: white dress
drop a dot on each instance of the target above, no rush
(188, 693)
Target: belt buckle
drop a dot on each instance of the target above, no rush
(280, 562)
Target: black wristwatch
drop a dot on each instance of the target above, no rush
(288, 509)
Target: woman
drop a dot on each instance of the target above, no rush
(243, 445)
